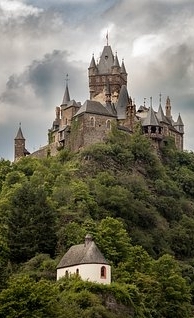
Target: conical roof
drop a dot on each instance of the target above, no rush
(151, 119)
(160, 115)
(116, 61)
(123, 101)
(19, 134)
(123, 69)
(179, 121)
(92, 63)
(66, 97)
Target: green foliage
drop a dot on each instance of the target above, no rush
(137, 205)
(31, 224)
(25, 298)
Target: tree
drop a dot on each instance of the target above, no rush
(113, 240)
(26, 298)
(31, 224)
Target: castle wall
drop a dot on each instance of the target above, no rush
(48, 150)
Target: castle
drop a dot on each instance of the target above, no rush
(78, 125)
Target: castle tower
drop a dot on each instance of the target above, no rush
(109, 69)
(151, 126)
(19, 146)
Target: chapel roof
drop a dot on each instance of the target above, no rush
(87, 253)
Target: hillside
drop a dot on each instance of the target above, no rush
(137, 203)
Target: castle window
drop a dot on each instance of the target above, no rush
(66, 274)
(108, 124)
(65, 121)
(77, 271)
(92, 121)
(103, 272)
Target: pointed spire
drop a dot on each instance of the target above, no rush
(151, 119)
(116, 61)
(123, 69)
(179, 124)
(160, 115)
(179, 121)
(92, 63)
(19, 135)
(66, 97)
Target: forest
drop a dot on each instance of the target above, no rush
(138, 204)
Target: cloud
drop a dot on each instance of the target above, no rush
(42, 40)
(16, 9)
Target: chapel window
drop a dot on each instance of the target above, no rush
(103, 272)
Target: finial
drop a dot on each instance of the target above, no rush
(160, 98)
(67, 79)
(107, 38)
(144, 101)
(151, 101)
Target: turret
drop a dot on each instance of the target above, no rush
(92, 68)
(179, 124)
(151, 125)
(107, 68)
(168, 108)
(116, 67)
(19, 145)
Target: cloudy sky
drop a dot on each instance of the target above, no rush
(43, 40)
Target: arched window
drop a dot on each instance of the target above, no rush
(77, 271)
(66, 274)
(92, 121)
(108, 124)
(103, 272)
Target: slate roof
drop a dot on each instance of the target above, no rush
(70, 103)
(93, 107)
(106, 60)
(161, 117)
(179, 121)
(87, 253)
(116, 61)
(151, 119)
(19, 134)
(92, 63)
(66, 97)
(123, 69)
(122, 102)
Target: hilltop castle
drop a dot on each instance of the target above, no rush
(77, 126)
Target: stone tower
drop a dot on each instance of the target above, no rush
(107, 70)
(19, 145)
